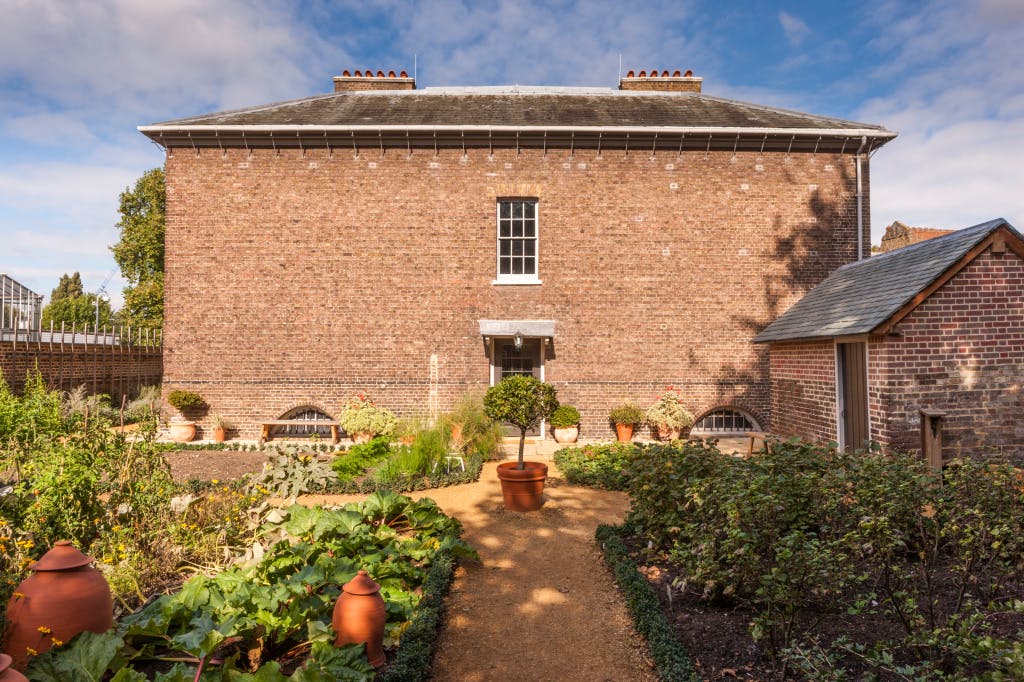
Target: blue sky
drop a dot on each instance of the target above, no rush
(77, 77)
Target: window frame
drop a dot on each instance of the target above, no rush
(509, 278)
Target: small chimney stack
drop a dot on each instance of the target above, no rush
(677, 82)
(366, 80)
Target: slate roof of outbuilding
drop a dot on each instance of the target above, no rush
(860, 296)
(523, 106)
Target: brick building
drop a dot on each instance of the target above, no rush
(416, 244)
(938, 325)
(897, 235)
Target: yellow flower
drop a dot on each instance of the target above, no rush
(215, 481)
(30, 651)
(45, 630)
(58, 642)
(19, 595)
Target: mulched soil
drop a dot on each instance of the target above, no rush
(206, 465)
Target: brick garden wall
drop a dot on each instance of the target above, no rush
(803, 390)
(302, 277)
(115, 370)
(961, 351)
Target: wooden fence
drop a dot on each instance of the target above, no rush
(116, 361)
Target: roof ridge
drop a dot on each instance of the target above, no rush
(256, 108)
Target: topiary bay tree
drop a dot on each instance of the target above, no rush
(522, 401)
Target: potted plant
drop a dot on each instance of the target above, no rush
(181, 429)
(668, 417)
(522, 401)
(362, 419)
(565, 424)
(220, 428)
(625, 417)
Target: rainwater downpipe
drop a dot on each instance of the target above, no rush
(860, 201)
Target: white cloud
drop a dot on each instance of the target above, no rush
(794, 28)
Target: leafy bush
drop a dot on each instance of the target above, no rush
(565, 416)
(598, 466)
(182, 400)
(361, 415)
(478, 433)
(668, 411)
(626, 413)
(290, 471)
(359, 458)
(409, 462)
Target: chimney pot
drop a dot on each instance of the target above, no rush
(654, 73)
(345, 73)
(664, 73)
(689, 73)
(642, 74)
(675, 74)
(630, 74)
(391, 74)
(380, 74)
(403, 74)
(359, 73)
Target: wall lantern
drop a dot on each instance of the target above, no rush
(518, 341)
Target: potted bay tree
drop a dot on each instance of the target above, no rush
(522, 401)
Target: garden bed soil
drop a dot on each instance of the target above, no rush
(207, 465)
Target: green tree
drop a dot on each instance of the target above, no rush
(140, 252)
(522, 401)
(70, 305)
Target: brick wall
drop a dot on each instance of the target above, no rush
(301, 277)
(961, 350)
(115, 370)
(803, 390)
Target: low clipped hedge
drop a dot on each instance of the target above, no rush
(670, 658)
(597, 466)
(416, 654)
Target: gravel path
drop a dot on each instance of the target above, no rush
(541, 605)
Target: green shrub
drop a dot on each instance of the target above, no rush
(598, 466)
(670, 659)
(359, 458)
(565, 416)
(182, 400)
(290, 471)
(668, 412)
(479, 433)
(361, 415)
(626, 413)
(522, 401)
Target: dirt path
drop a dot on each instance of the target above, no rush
(542, 605)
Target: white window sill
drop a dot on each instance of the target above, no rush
(523, 281)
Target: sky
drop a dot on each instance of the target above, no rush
(77, 77)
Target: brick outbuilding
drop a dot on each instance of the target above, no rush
(936, 326)
(417, 244)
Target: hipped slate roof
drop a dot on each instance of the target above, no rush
(859, 297)
(520, 114)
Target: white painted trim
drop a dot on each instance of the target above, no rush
(531, 279)
(507, 280)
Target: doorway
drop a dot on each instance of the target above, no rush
(507, 360)
(852, 394)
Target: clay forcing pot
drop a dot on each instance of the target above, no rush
(566, 434)
(362, 437)
(7, 673)
(63, 597)
(359, 617)
(668, 433)
(522, 489)
(182, 432)
(624, 432)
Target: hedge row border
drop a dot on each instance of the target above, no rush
(671, 661)
(415, 658)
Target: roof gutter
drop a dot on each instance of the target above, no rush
(860, 200)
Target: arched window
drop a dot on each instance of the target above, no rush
(304, 413)
(725, 421)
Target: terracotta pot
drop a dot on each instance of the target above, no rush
(522, 489)
(624, 432)
(668, 433)
(63, 597)
(457, 433)
(362, 436)
(7, 673)
(220, 434)
(359, 617)
(182, 432)
(566, 434)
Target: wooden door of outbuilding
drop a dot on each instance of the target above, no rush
(851, 363)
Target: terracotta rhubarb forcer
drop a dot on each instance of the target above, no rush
(359, 617)
(7, 673)
(63, 597)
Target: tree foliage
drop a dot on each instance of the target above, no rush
(140, 252)
(522, 401)
(70, 305)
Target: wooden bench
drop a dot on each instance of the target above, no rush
(758, 441)
(265, 433)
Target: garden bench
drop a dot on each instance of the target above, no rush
(267, 425)
(758, 441)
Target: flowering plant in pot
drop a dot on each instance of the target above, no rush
(565, 423)
(182, 430)
(362, 419)
(522, 401)
(625, 417)
(668, 417)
